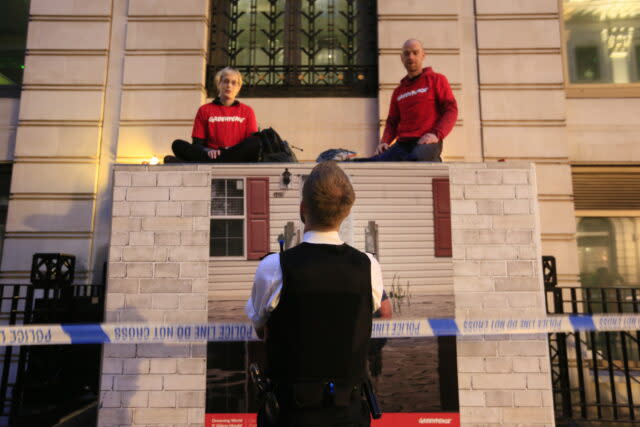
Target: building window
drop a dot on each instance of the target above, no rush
(239, 217)
(296, 47)
(602, 40)
(587, 64)
(14, 17)
(609, 251)
(227, 217)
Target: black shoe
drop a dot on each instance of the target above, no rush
(171, 159)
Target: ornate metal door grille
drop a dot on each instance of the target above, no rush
(296, 47)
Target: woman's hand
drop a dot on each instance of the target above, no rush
(213, 154)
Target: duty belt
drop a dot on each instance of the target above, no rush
(317, 394)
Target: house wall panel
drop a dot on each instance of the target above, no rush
(153, 35)
(53, 178)
(437, 34)
(71, 7)
(68, 35)
(48, 105)
(50, 215)
(65, 70)
(57, 141)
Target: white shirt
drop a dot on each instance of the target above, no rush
(267, 283)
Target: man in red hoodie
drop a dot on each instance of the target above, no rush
(422, 113)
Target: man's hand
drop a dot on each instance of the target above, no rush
(428, 138)
(386, 309)
(382, 147)
(213, 154)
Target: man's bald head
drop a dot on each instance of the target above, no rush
(412, 56)
(412, 43)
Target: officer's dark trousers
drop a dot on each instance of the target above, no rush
(247, 150)
(355, 415)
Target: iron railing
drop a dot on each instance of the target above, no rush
(595, 375)
(20, 382)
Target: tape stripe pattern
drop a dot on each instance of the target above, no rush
(582, 322)
(86, 334)
(144, 333)
(444, 327)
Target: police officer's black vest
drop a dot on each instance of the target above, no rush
(321, 327)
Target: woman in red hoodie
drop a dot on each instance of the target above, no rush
(223, 129)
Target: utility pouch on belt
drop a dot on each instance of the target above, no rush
(268, 403)
(313, 395)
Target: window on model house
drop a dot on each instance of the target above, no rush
(601, 40)
(239, 217)
(296, 47)
(227, 217)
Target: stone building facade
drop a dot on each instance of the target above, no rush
(115, 81)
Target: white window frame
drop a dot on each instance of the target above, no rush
(243, 217)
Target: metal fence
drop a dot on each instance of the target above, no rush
(39, 385)
(595, 375)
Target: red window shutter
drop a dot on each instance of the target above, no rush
(257, 217)
(441, 217)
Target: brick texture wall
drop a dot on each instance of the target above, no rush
(157, 272)
(503, 380)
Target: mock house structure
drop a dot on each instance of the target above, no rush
(115, 81)
(466, 231)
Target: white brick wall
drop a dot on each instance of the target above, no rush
(158, 272)
(502, 380)
(158, 263)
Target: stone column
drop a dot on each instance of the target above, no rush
(503, 380)
(164, 71)
(58, 137)
(524, 111)
(158, 272)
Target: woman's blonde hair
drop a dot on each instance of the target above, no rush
(228, 70)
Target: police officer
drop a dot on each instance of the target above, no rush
(313, 305)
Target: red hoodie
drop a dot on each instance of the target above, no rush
(224, 126)
(419, 105)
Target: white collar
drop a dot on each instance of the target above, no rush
(322, 237)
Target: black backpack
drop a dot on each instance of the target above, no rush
(273, 148)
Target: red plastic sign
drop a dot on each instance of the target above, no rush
(391, 419)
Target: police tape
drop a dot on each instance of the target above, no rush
(160, 333)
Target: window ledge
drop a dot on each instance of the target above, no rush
(630, 90)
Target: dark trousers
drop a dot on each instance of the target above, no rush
(247, 150)
(410, 150)
(354, 415)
